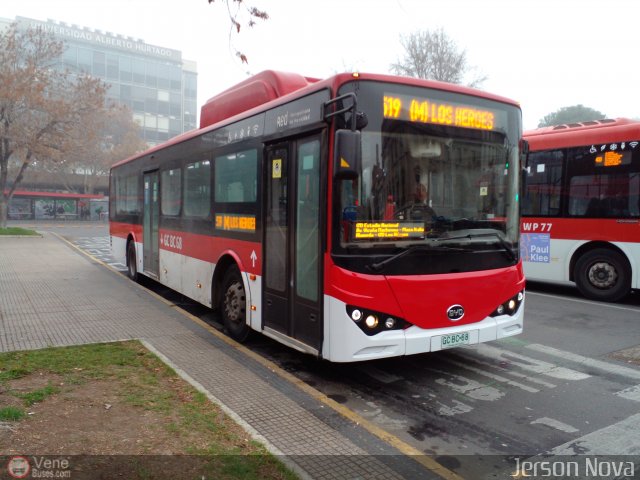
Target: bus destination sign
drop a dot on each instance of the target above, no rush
(613, 159)
(236, 223)
(425, 110)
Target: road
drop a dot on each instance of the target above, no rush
(556, 388)
(564, 386)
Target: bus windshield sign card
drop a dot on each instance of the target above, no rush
(380, 230)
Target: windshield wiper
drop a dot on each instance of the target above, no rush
(377, 266)
(503, 243)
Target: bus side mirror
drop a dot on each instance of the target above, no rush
(347, 158)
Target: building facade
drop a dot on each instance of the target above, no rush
(156, 83)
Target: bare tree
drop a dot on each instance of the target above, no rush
(241, 14)
(102, 138)
(433, 55)
(39, 105)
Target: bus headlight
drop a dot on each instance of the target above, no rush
(510, 306)
(372, 323)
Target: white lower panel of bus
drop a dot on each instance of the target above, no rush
(555, 267)
(345, 342)
(187, 275)
(192, 277)
(119, 249)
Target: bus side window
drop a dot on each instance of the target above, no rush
(634, 195)
(543, 183)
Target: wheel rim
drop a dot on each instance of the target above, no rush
(234, 303)
(602, 275)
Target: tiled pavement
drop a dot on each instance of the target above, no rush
(51, 295)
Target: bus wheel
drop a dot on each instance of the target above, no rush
(603, 274)
(234, 306)
(132, 265)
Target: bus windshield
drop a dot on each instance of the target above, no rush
(433, 185)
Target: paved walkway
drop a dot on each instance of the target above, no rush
(52, 295)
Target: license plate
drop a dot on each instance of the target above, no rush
(454, 340)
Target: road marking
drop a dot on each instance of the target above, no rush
(631, 393)
(471, 388)
(588, 302)
(530, 364)
(118, 266)
(557, 424)
(506, 371)
(589, 362)
(459, 407)
(495, 377)
(621, 438)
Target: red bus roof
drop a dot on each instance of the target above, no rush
(584, 133)
(252, 92)
(271, 88)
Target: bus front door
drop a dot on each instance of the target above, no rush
(292, 303)
(150, 237)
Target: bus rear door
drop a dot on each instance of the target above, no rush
(150, 234)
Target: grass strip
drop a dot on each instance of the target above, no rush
(17, 231)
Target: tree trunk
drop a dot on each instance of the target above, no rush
(4, 210)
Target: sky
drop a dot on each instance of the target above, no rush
(545, 54)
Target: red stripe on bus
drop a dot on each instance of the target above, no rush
(122, 230)
(202, 247)
(210, 249)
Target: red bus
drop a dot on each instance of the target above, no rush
(581, 207)
(43, 205)
(357, 217)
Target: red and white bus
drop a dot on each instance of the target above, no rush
(357, 217)
(581, 207)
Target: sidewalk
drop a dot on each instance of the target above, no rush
(52, 295)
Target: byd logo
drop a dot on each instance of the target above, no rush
(455, 312)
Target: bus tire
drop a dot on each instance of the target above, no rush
(603, 274)
(234, 305)
(132, 264)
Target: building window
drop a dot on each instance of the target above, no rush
(112, 67)
(126, 70)
(138, 72)
(163, 124)
(69, 57)
(85, 60)
(99, 69)
(151, 77)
